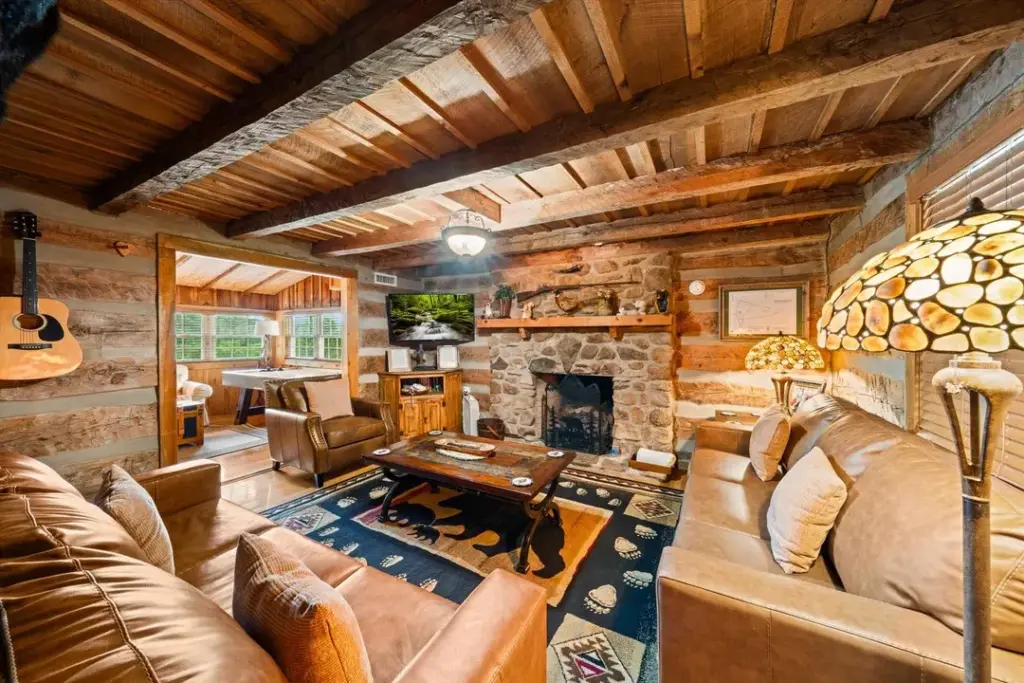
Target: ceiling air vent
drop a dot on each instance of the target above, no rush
(385, 279)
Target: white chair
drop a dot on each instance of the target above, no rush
(193, 391)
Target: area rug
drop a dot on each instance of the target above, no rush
(231, 440)
(598, 567)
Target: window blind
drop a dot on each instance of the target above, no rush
(998, 180)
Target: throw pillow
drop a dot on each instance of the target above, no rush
(130, 504)
(768, 441)
(306, 626)
(803, 508)
(329, 398)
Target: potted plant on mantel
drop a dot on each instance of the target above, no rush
(503, 296)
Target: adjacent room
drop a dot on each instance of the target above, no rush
(533, 341)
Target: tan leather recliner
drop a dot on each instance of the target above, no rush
(79, 603)
(302, 438)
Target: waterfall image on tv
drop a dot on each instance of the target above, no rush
(419, 318)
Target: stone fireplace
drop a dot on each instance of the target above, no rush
(638, 368)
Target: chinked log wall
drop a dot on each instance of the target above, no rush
(106, 411)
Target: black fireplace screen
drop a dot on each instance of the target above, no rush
(578, 413)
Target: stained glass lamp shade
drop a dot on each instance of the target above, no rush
(782, 354)
(957, 287)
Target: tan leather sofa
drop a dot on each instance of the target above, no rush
(728, 613)
(79, 604)
(301, 438)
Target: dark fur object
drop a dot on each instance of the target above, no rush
(26, 27)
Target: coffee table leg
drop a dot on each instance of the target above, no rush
(535, 513)
(402, 483)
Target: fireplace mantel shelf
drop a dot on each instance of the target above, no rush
(616, 324)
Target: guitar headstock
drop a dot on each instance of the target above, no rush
(24, 224)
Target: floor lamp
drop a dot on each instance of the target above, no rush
(957, 287)
(782, 354)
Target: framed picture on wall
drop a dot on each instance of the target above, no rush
(399, 360)
(750, 312)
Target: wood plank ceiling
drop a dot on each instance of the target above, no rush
(567, 122)
(204, 272)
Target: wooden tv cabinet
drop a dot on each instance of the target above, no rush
(439, 408)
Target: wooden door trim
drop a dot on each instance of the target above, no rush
(168, 247)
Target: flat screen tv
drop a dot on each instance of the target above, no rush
(431, 319)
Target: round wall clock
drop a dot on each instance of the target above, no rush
(697, 287)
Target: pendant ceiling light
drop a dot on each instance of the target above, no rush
(465, 233)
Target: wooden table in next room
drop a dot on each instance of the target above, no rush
(249, 381)
(417, 461)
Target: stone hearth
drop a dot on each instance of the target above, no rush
(640, 365)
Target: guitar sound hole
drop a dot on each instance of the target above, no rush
(29, 322)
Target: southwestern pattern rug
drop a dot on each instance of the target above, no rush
(597, 567)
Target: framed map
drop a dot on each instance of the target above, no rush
(758, 311)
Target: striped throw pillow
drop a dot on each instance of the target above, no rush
(306, 626)
(134, 509)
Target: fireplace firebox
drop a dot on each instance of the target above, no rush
(578, 413)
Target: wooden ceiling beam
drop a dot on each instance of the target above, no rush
(888, 144)
(815, 203)
(270, 278)
(221, 276)
(704, 244)
(436, 112)
(911, 38)
(241, 29)
(494, 86)
(328, 146)
(880, 10)
(951, 84)
(694, 12)
(780, 25)
(133, 11)
(891, 95)
(831, 104)
(393, 128)
(561, 59)
(339, 126)
(386, 41)
(608, 39)
(128, 48)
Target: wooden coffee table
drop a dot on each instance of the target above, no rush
(416, 461)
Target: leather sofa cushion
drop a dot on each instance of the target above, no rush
(742, 508)
(306, 625)
(126, 501)
(898, 539)
(23, 474)
(40, 522)
(215, 576)
(341, 431)
(374, 596)
(743, 549)
(131, 622)
(209, 529)
(709, 462)
(807, 424)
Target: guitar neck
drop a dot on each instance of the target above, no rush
(29, 281)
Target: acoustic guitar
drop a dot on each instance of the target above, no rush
(34, 338)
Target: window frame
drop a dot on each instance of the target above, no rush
(321, 347)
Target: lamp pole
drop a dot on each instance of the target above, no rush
(990, 391)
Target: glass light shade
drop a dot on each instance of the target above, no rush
(465, 233)
(784, 353)
(956, 287)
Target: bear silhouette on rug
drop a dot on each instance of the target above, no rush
(478, 515)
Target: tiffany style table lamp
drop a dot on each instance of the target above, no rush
(783, 354)
(957, 287)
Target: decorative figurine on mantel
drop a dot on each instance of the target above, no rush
(527, 313)
(640, 305)
(487, 312)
